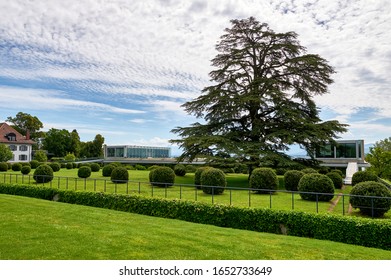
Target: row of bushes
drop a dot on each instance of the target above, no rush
(358, 231)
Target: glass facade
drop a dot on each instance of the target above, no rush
(344, 149)
(138, 152)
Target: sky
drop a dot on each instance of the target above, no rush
(123, 69)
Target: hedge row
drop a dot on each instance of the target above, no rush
(350, 230)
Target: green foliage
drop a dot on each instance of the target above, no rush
(336, 178)
(338, 172)
(16, 167)
(213, 181)
(292, 179)
(190, 168)
(379, 157)
(34, 163)
(362, 197)
(3, 167)
(120, 175)
(55, 166)
(95, 167)
(5, 153)
(70, 157)
(26, 169)
(140, 167)
(363, 176)
(263, 180)
(153, 167)
(180, 170)
(107, 169)
(24, 122)
(40, 156)
(162, 176)
(84, 172)
(309, 170)
(69, 165)
(316, 183)
(43, 174)
(197, 176)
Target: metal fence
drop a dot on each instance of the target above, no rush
(242, 197)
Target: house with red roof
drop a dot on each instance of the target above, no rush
(21, 146)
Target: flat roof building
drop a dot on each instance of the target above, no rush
(133, 151)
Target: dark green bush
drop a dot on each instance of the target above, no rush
(16, 167)
(120, 175)
(190, 168)
(43, 174)
(140, 167)
(197, 176)
(69, 165)
(180, 170)
(34, 164)
(309, 170)
(95, 167)
(107, 169)
(324, 170)
(153, 167)
(292, 179)
(26, 169)
(162, 176)
(84, 172)
(336, 178)
(263, 180)
(338, 172)
(55, 166)
(3, 166)
(363, 176)
(362, 197)
(213, 181)
(316, 183)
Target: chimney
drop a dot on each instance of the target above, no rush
(27, 134)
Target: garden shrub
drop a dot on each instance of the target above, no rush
(70, 157)
(338, 172)
(292, 179)
(316, 183)
(107, 169)
(180, 170)
(163, 176)
(9, 165)
(95, 167)
(3, 166)
(363, 176)
(324, 170)
(336, 178)
(34, 164)
(263, 180)
(26, 169)
(16, 167)
(69, 165)
(84, 172)
(308, 170)
(213, 181)
(55, 166)
(153, 167)
(40, 156)
(197, 176)
(140, 167)
(190, 168)
(361, 198)
(120, 175)
(43, 174)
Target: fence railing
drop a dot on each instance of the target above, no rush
(234, 196)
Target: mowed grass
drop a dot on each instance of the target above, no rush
(36, 229)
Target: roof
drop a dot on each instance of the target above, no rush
(6, 131)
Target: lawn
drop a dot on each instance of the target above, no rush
(36, 229)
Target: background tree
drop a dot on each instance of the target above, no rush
(92, 148)
(5, 153)
(262, 97)
(24, 122)
(379, 157)
(57, 142)
(74, 145)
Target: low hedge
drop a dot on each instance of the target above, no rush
(350, 230)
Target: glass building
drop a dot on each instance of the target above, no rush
(131, 151)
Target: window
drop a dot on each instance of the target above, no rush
(11, 136)
(22, 157)
(327, 151)
(23, 148)
(13, 148)
(346, 150)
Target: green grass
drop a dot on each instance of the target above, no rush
(37, 229)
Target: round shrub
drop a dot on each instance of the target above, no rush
(26, 169)
(213, 181)
(180, 170)
(197, 176)
(69, 165)
(84, 172)
(361, 198)
(3, 166)
(95, 167)
(363, 176)
(263, 180)
(107, 169)
(43, 174)
(292, 179)
(16, 167)
(120, 175)
(320, 186)
(55, 166)
(309, 171)
(190, 168)
(162, 176)
(338, 172)
(336, 178)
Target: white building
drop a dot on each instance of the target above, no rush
(21, 146)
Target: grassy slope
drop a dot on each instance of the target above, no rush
(37, 229)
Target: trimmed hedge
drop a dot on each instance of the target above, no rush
(3, 166)
(120, 175)
(363, 176)
(84, 172)
(26, 169)
(316, 187)
(16, 167)
(350, 230)
(213, 181)
(55, 166)
(263, 180)
(43, 174)
(292, 179)
(162, 176)
(180, 170)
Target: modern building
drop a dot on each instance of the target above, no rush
(21, 146)
(132, 151)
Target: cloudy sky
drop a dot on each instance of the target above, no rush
(123, 68)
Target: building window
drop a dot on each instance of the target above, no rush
(346, 150)
(11, 136)
(23, 148)
(22, 157)
(326, 151)
(13, 147)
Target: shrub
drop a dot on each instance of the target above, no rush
(69, 165)
(70, 157)
(120, 175)
(26, 169)
(263, 178)
(34, 164)
(338, 172)
(363, 176)
(140, 167)
(336, 178)
(3, 166)
(180, 170)
(324, 170)
(197, 176)
(55, 166)
(361, 198)
(95, 167)
(162, 176)
(190, 168)
(316, 183)
(152, 167)
(292, 179)
(309, 170)
(43, 174)
(16, 167)
(107, 169)
(40, 156)
(213, 181)
(84, 172)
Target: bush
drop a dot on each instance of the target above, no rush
(316, 183)
(292, 179)
(363, 176)
(162, 176)
(95, 167)
(43, 174)
(197, 176)
(309, 171)
(84, 172)
(338, 172)
(107, 169)
(180, 170)
(361, 198)
(3, 166)
(16, 167)
(55, 166)
(140, 167)
(26, 169)
(70, 157)
(69, 165)
(265, 179)
(40, 156)
(336, 178)
(120, 175)
(34, 164)
(213, 181)
(190, 168)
